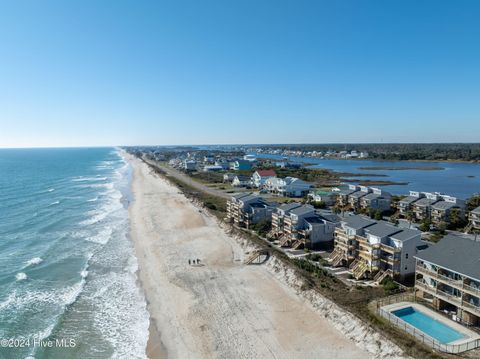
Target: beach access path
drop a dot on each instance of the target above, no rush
(188, 180)
(220, 308)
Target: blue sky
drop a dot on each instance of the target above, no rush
(83, 73)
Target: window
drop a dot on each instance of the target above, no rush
(406, 267)
(406, 255)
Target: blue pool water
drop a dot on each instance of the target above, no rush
(433, 328)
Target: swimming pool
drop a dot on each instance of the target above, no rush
(433, 328)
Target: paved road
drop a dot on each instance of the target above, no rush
(188, 180)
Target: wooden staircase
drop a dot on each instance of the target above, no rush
(284, 241)
(381, 275)
(256, 255)
(297, 244)
(468, 228)
(359, 269)
(336, 257)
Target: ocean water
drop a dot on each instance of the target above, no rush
(67, 266)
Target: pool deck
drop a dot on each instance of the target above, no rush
(469, 334)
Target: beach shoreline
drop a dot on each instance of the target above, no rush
(220, 308)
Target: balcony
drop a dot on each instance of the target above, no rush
(426, 288)
(471, 308)
(471, 290)
(390, 249)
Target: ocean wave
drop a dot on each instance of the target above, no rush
(17, 300)
(20, 276)
(101, 237)
(89, 179)
(33, 261)
(96, 185)
(54, 203)
(93, 199)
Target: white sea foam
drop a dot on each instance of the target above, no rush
(89, 179)
(33, 261)
(20, 276)
(51, 189)
(54, 203)
(93, 199)
(84, 273)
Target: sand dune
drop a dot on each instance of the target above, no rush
(222, 308)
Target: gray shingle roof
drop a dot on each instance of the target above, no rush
(299, 211)
(476, 210)
(346, 192)
(458, 254)
(289, 206)
(382, 229)
(424, 202)
(358, 194)
(406, 234)
(357, 222)
(409, 199)
(371, 196)
(330, 217)
(444, 205)
(314, 220)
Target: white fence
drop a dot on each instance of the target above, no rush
(421, 336)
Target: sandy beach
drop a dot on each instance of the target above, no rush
(220, 308)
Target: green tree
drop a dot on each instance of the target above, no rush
(425, 225)
(457, 220)
(473, 202)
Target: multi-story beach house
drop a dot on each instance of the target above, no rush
(303, 227)
(375, 249)
(319, 196)
(443, 209)
(288, 186)
(242, 181)
(278, 216)
(405, 205)
(259, 177)
(342, 197)
(422, 208)
(448, 275)
(355, 197)
(474, 219)
(376, 200)
(245, 209)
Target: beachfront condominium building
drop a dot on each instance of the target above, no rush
(443, 210)
(374, 249)
(278, 217)
(474, 218)
(422, 208)
(355, 197)
(342, 197)
(288, 186)
(259, 177)
(448, 275)
(377, 200)
(303, 227)
(245, 209)
(405, 205)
